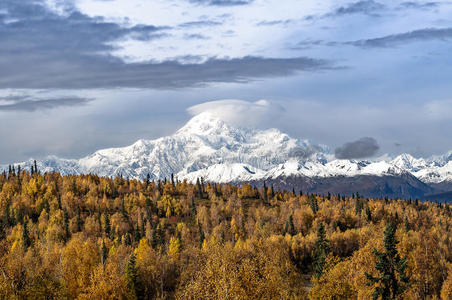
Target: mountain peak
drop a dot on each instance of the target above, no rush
(210, 125)
(205, 123)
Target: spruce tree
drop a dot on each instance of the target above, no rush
(25, 237)
(392, 280)
(198, 185)
(313, 203)
(407, 225)
(132, 279)
(201, 235)
(66, 225)
(368, 214)
(321, 250)
(104, 252)
(148, 179)
(79, 221)
(264, 193)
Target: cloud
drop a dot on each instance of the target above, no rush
(276, 22)
(304, 152)
(416, 5)
(368, 7)
(426, 34)
(195, 36)
(106, 72)
(46, 50)
(28, 103)
(362, 148)
(222, 2)
(239, 112)
(198, 24)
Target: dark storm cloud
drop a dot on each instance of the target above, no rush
(426, 34)
(222, 2)
(27, 103)
(45, 51)
(362, 148)
(367, 7)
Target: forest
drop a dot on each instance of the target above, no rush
(89, 237)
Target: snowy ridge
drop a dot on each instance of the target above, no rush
(210, 148)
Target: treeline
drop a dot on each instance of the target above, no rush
(88, 237)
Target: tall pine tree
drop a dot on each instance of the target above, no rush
(392, 280)
(321, 251)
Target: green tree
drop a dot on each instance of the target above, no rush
(392, 280)
(25, 237)
(313, 203)
(321, 250)
(131, 274)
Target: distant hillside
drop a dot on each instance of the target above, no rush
(445, 197)
(405, 186)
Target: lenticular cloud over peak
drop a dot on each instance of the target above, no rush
(238, 112)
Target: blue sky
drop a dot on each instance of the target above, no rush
(77, 76)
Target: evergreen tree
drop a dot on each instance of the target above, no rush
(2, 229)
(154, 242)
(79, 221)
(66, 225)
(313, 203)
(264, 194)
(148, 179)
(25, 237)
(103, 253)
(198, 185)
(201, 235)
(137, 234)
(407, 225)
(368, 214)
(321, 250)
(131, 274)
(359, 205)
(6, 215)
(107, 224)
(36, 167)
(193, 208)
(392, 280)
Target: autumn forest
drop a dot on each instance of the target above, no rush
(89, 237)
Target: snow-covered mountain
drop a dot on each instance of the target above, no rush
(210, 148)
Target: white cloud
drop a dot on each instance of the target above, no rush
(239, 112)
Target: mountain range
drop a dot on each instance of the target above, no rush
(210, 148)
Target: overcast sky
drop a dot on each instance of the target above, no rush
(77, 76)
